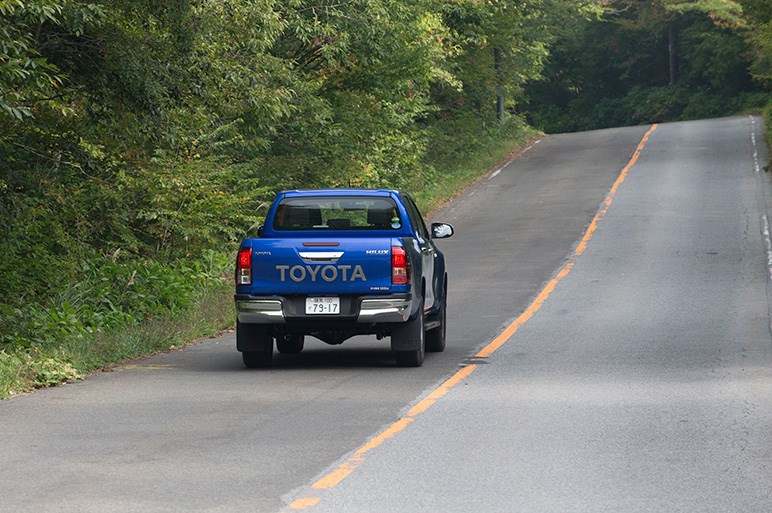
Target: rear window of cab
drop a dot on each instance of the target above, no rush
(324, 213)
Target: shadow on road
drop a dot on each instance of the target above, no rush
(364, 353)
(335, 357)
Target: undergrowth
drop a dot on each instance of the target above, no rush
(118, 310)
(461, 152)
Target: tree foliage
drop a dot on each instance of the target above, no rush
(759, 12)
(144, 130)
(655, 61)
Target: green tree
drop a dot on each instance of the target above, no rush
(759, 36)
(25, 77)
(503, 45)
(647, 61)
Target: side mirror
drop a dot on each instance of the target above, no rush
(442, 230)
(260, 231)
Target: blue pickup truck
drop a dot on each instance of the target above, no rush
(337, 263)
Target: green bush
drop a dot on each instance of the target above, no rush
(21, 371)
(461, 149)
(110, 293)
(77, 351)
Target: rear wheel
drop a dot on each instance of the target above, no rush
(415, 327)
(290, 343)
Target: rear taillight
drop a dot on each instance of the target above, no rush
(244, 267)
(400, 267)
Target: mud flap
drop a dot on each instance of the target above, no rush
(409, 336)
(253, 337)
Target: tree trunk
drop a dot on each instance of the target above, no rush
(672, 57)
(499, 84)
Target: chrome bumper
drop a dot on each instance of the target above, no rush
(259, 311)
(384, 310)
(371, 310)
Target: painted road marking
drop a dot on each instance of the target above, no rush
(508, 162)
(566, 269)
(344, 469)
(147, 366)
(761, 196)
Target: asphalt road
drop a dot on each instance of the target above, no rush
(643, 382)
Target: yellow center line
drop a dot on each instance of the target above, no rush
(343, 470)
(526, 315)
(304, 503)
(440, 391)
(610, 196)
(537, 303)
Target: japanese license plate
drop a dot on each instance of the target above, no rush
(322, 305)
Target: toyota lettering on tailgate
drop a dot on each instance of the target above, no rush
(328, 273)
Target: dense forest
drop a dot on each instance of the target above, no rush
(656, 60)
(140, 139)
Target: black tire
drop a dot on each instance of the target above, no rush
(435, 338)
(290, 343)
(257, 359)
(255, 343)
(414, 358)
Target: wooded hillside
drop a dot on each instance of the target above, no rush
(648, 61)
(139, 138)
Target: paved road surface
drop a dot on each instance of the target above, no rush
(643, 383)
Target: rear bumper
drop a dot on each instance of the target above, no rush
(354, 309)
(259, 310)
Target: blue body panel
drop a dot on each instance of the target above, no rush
(364, 268)
(285, 267)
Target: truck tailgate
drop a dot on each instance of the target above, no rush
(321, 266)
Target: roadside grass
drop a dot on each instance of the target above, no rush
(208, 315)
(460, 154)
(120, 311)
(768, 126)
(70, 358)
